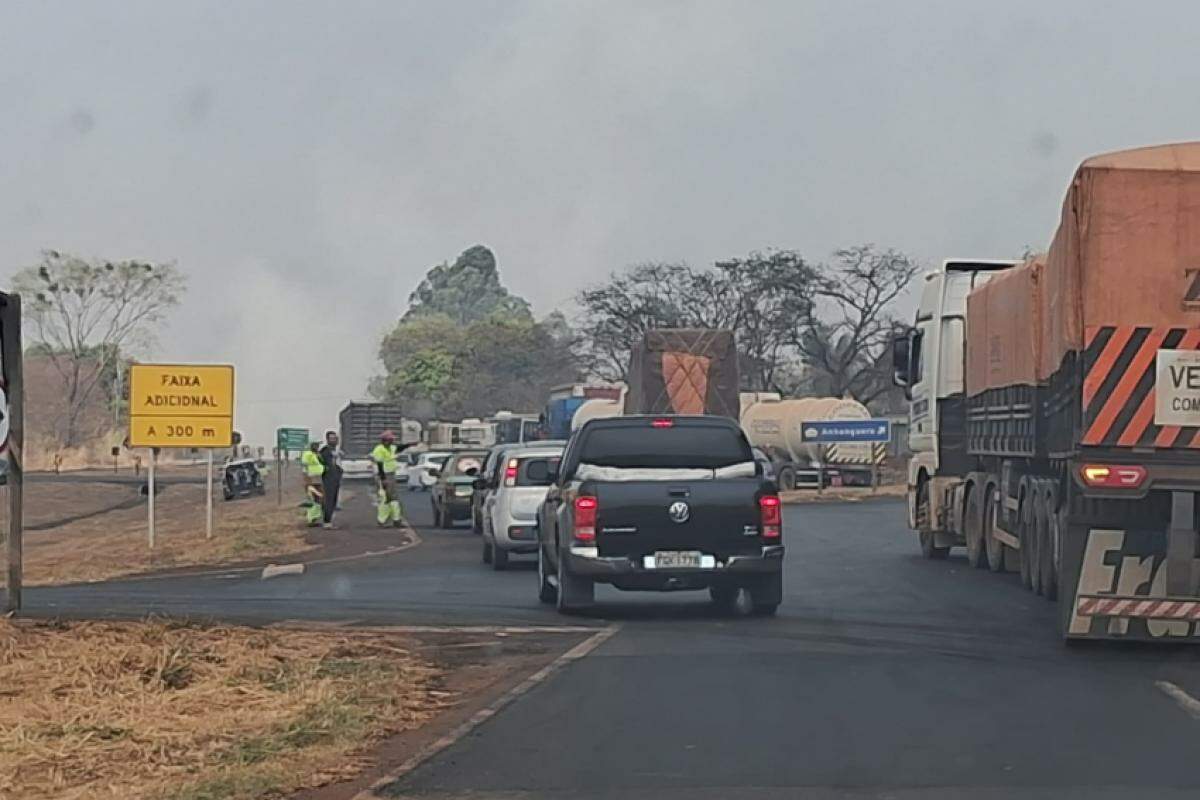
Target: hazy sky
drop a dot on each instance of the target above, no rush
(306, 162)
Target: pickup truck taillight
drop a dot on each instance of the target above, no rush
(585, 519)
(771, 513)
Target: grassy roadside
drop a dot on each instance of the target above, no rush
(111, 544)
(165, 711)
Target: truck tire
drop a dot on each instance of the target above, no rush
(991, 545)
(1037, 534)
(973, 529)
(1047, 562)
(931, 550)
(787, 479)
(1025, 534)
(766, 594)
(929, 547)
(575, 593)
(546, 591)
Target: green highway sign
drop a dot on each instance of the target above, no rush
(292, 439)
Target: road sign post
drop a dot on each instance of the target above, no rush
(12, 421)
(287, 440)
(150, 501)
(180, 405)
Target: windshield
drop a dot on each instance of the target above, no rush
(461, 464)
(646, 446)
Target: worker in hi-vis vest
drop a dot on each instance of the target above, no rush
(385, 457)
(314, 468)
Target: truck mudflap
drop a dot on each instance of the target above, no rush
(1131, 583)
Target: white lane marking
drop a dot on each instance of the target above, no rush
(484, 714)
(1189, 704)
(275, 570)
(499, 630)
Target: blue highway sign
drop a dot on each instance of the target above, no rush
(847, 430)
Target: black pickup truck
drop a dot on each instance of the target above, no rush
(661, 503)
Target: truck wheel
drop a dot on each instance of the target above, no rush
(931, 550)
(973, 524)
(546, 592)
(787, 479)
(1037, 535)
(499, 559)
(1025, 535)
(1047, 563)
(993, 546)
(766, 595)
(724, 598)
(574, 592)
(487, 552)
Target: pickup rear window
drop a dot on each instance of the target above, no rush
(708, 447)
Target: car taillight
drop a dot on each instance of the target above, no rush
(1113, 476)
(771, 513)
(585, 519)
(510, 473)
(663, 423)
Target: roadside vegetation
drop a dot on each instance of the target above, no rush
(168, 711)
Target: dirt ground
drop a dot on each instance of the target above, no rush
(168, 711)
(92, 531)
(842, 494)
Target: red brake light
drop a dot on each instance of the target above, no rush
(1113, 476)
(510, 473)
(663, 423)
(771, 513)
(585, 519)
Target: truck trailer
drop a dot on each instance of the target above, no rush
(1055, 404)
(684, 371)
(361, 424)
(776, 427)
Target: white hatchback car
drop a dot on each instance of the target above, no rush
(423, 472)
(510, 510)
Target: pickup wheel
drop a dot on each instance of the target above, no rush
(724, 598)
(765, 595)
(487, 552)
(546, 592)
(574, 593)
(444, 520)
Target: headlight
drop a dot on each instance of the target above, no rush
(463, 491)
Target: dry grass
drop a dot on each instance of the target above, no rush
(841, 494)
(173, 712)
(115, 543)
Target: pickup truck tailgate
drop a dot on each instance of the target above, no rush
(637, 518)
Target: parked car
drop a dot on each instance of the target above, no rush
(661, 503)
(510, 509)
(451, 494)
(422, 474)
(355, 469)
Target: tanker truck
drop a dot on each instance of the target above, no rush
(1054, 405)
(776, 427)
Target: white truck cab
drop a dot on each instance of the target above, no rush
(929, 365)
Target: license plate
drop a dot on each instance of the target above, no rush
(676, 559)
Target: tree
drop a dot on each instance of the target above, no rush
(466, 291)
(764, 298)
(844, 341)
(468, 347)
(86, 314)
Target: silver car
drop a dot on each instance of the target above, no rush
(510, 510)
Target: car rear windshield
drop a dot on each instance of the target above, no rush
(464, 463)
(704, 446)
(539, 465)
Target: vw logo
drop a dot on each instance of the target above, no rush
(679, 512)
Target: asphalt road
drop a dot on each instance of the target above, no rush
(884, 675)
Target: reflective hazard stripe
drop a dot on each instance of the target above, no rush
(1139, 607)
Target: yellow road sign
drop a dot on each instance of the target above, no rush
(181, 405)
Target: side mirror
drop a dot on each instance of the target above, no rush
(901, 351)
(479, 484)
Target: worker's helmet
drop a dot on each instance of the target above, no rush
(387, 436)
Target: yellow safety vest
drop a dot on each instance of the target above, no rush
(385, 455)
(313, 467)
